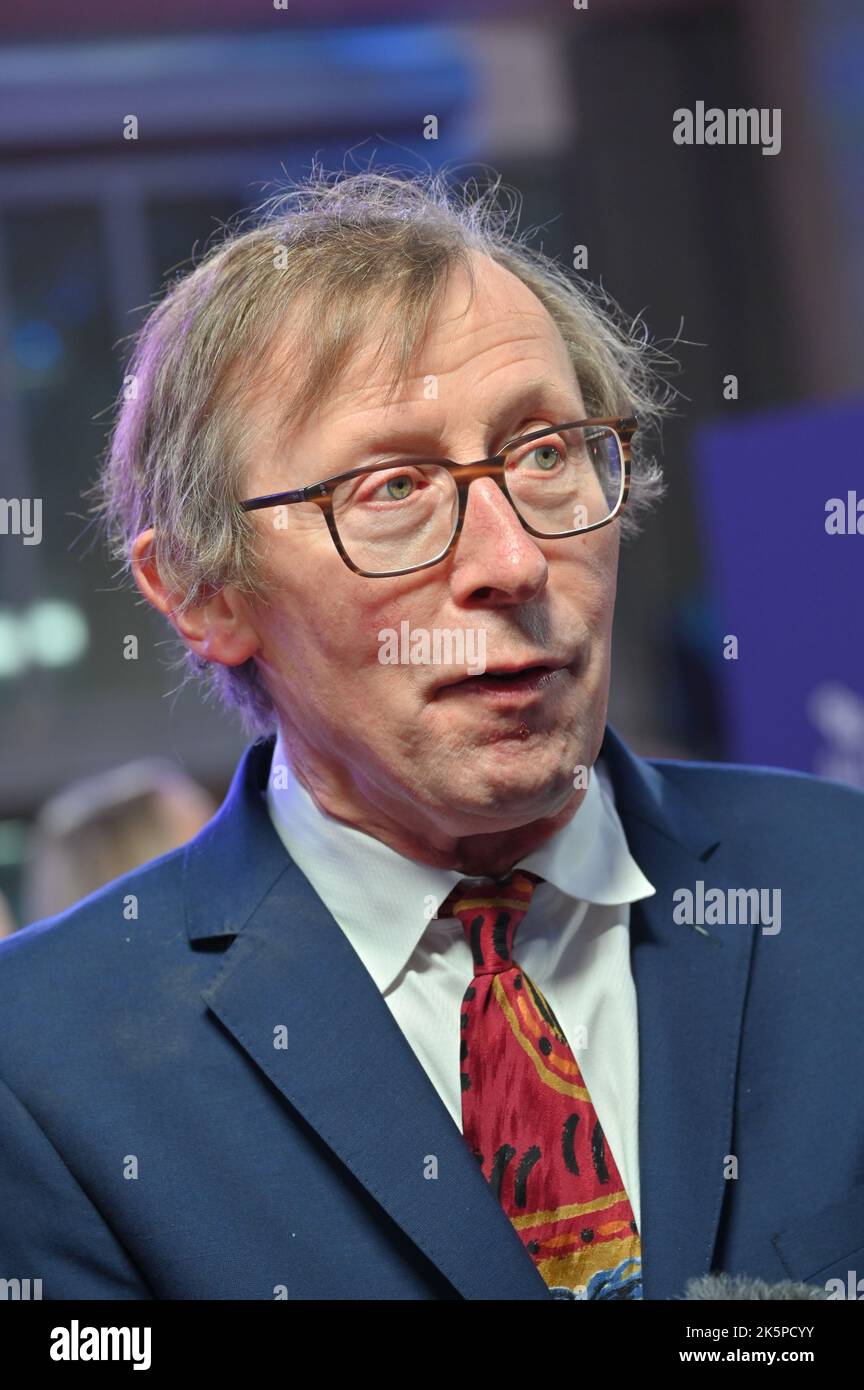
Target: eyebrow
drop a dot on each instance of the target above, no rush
(535, 393)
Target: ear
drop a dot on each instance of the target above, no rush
(217, 629)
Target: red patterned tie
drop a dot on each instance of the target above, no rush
(527, 1115)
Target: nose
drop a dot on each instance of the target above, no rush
(496, 560)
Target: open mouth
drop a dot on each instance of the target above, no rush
(528, 680)
(515, 675)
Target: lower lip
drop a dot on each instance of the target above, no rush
(517, 688)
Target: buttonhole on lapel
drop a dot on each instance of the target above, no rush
(712, 940)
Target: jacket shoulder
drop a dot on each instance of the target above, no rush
(92, 938)
(757, 780)
(771, 801)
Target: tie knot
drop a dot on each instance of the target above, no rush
(490, 913)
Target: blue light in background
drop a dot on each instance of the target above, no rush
(37, 345)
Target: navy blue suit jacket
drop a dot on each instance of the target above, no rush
(154, 1143)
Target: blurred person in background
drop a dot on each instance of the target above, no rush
(424, 1012)
(7, 921)
(104, 826)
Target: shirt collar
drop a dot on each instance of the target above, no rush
(384, 901)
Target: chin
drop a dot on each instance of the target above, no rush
(504, 797)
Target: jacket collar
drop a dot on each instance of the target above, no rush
(644, 794)
(236, 859)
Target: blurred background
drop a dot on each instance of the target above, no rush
(752, 263)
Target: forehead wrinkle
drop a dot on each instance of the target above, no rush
(521, 396)
(537, 346)
(500, 333)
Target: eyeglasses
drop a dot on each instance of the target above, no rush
(406, 514)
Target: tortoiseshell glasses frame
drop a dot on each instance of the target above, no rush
(464, 474)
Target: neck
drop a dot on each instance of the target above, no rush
(488, 854)
(493, 856)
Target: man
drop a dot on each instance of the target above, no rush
(433, 1007)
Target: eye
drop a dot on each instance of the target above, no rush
(399, 488)
(548, 456)
(381, 488)
(544, 456)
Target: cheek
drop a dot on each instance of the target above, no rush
(333, 630)
(600, 548)
(599, 567)
(585, 582)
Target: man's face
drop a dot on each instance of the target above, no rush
(402, 744)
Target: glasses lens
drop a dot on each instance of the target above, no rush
(398, 517)
(567, 480)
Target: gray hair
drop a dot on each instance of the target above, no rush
(330, 257)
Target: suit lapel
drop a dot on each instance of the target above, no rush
(690, 992)
(346, 1066)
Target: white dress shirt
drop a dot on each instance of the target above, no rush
(574, 942)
